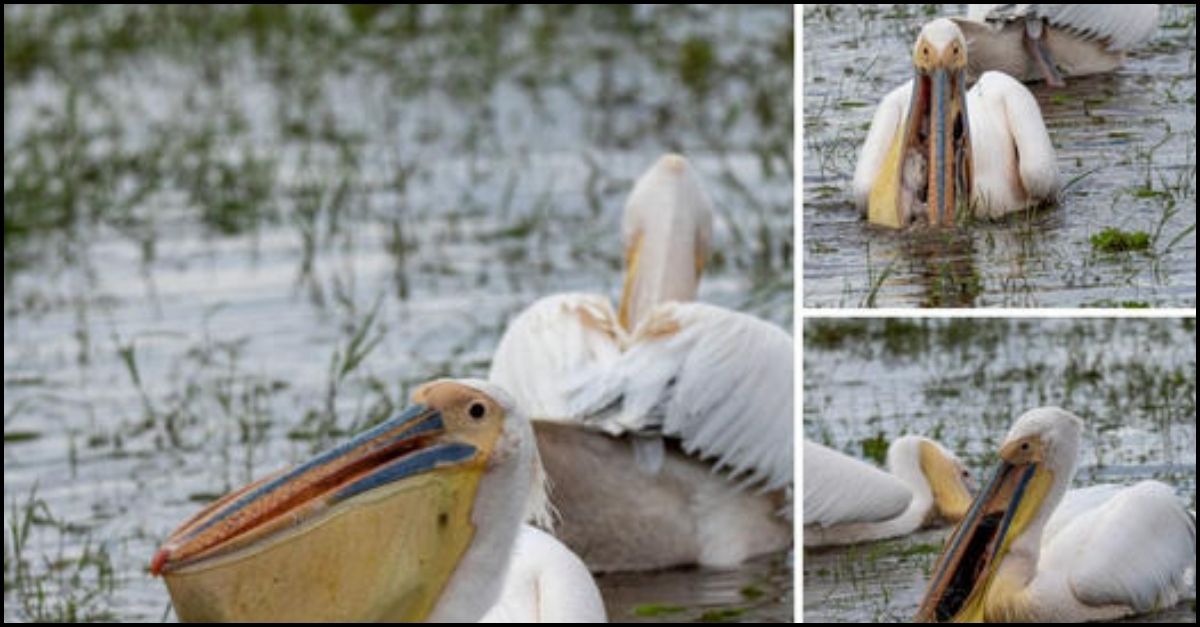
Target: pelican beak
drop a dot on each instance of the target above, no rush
(371, 529)
(632, 254)
(929, 162)
(966, 569)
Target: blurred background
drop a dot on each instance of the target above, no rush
(232, 235)
(964, 382)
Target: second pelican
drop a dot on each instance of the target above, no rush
(936, 150)
(665, 427)
(1049, 41)
(848, 501)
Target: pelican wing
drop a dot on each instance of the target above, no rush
(556, 336)
(717, 380)
(1013, 105)
(840, 489)
(1119, 26)
(1132, 550)
(1076, 503)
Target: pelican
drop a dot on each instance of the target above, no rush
(847, 501)
(935, 150)
(665, 426)
(1025, 553)
(413, 519)
(546, 583)
(1048, 41)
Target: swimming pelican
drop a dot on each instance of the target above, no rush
(413, 519)
(847, 501)
(665, 427)
(1048, 41)
(935, 149)
(1021, 556)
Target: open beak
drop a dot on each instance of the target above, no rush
(928, 166)
(965, 569)
(371, 528)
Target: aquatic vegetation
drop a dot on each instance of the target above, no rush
(1114, 240)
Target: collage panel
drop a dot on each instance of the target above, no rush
(399, 312)
(1071, 183)
(999, 469)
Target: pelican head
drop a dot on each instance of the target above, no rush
(666, 228)
(929, 163)
(412, 519)
(948, 480)
(993, 553)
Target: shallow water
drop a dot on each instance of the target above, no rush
(963, 382)
(233, 236)
(1126, 146)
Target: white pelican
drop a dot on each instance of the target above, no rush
(1108, 553)
(413, 519)
(847, 501)
(935, 149)
(665, 427)
(1049, 41)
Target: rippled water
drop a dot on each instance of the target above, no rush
(1126, 145)
(963, 382)
(234, 235)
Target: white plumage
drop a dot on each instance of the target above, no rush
(1050, 41)
(1120, 27)
(848, 501)
(718, 380)
(840, 489)
(1132, 548)
(546, 583)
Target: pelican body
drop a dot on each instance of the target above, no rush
(414, 519)
(1030, 551)
(666, 425)
(1051, 41)
(936, 150)
(847, 501)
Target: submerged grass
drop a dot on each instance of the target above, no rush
(60, 586)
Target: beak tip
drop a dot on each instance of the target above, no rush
(159, 560)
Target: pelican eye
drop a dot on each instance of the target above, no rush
(1024, 446)
(476, 410)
